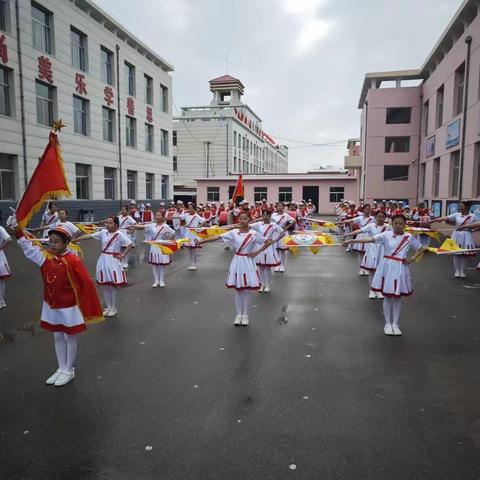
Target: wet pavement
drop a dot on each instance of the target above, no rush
(169, 389)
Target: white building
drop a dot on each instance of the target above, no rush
(71, 60)
(223, 138)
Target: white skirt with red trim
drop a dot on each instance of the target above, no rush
(242, 274)
(373, 256)
(67, 320)
(156, 257)
(193, 239)
(4, 267)
(110, 271)
(268, 258)
(465, 240)
(360, 247)
(392, 279)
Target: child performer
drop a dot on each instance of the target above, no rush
(109, 272)
(285, 221)
(422, 217)
(242, 274)
(153, 232)
(269, 257)
(70, 300)
(472, 227)
(125, 221)
(463, 238)
(392, 277)
(49, 217)
(373, 252)
(4, 267)
(192, 220)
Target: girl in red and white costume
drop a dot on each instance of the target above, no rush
(155, 232)
(125, 221)
(471, 227)
(192, 220)
(373, 251)
(70, 300)
(463, 238)
(269, 257)
(4, 267)
(286, 222)
(242, 273)
(392, 277)
(109, 272)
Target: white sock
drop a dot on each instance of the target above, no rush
(246, 301)
(193, 256)
(261, 271)
(2, 290)
(456, 263)
(106, 293)
(359, 258)
(387, 309)
(60, 350)
(72, 348)
(282, 258)
(113, 297)
(161, 273)
(155, 273)
(462, 263)
(267, 276)
(239, 301)
(396, 304)
(370, 278)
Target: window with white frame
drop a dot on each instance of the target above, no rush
(131, 184)
(44, 102)
(397, 144)
(436, 177)
(175, 163)
(459, 85)
(213, 194)
(439, 113)
(398, 173)
(148, 89)
(164, 91)
(130, 132)
(337, 194)
(80, 115)
(4, 16)
(109, 181)
(164, 143)
(78, 43)
(454, 173)
(129, 78)
(426, 106)
(106, 60)
(148, 137)
(108, 119)
(164, 185)
(149, 185)
(82, 176)
(5, 91)
(285, 194)
(422, 179)
(42, 31)
(174, 138)
(259, 193)
(7, 176)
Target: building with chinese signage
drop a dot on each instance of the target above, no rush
(223, 138)
(71, 60)
(420, 129)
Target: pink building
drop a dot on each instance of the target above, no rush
(423, 142)
(324, 187)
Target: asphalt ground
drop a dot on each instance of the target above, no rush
(312, 389)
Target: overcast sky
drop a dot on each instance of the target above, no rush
(302, 61)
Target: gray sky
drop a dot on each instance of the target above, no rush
(302, 61)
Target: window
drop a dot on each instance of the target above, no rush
(131, 184)
(164, 90)
(109, 177)
(422, 180)
(131, 133)
(397, 144)
(42, 31)
(106, 60)
(108, 116)
(44, 103)
(337, 194)
(4, 15)
(82, 173)
(458, 92)
(148, 89)
(7, 177)
(80, 115)
(148, 137)
(436, 177)
(164, 144)
(164, 186)
(439, 121)
(285, 194)
(425, 118)
(174, 138)
(129, 79)
(395, 173)
(213, 194)
(398, 115)
(5, 82)
(259, 193)
(79, 49)
(175, 163)
(454, 173)
(476, 171)
(235, 139)
(149, 184)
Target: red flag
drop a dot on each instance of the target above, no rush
(48, 181)
(239, 192)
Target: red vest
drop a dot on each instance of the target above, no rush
(57, 290)
(147, 216)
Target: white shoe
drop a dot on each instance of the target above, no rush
(51, 380)
(360, 272)
(155, 285)
(281, 269)
(267, 288)
(192, 267)
(379, 295)
(276, 269)
(64, 378)
(161, 284)
(112, 312)
(396, 331)
(457, 274)
(238, 320)
(106, 312)
(372, 294)
(245, 320)
(125, 266)
(261, 289)
(388, 329)
(3, 304)
(462, 275)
